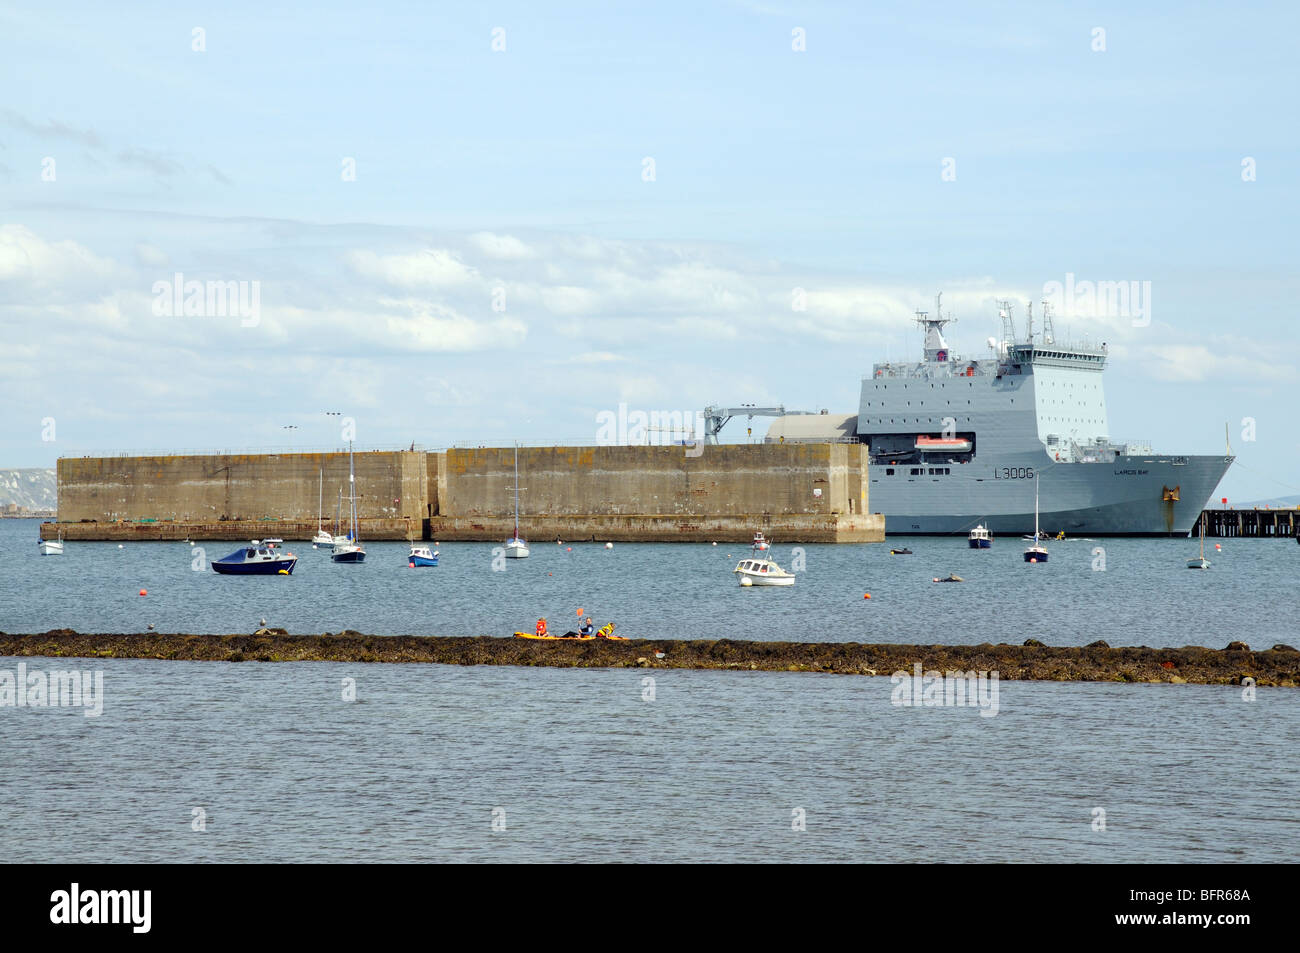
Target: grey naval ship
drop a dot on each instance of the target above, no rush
(955, 443)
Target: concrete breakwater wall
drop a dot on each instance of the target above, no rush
(221, 487)
(794, 528)
(797, 493)
(295, 531)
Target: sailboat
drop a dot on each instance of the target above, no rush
(1200, 562)
(1037, 553)
(516, 546)
(350, 550)
(323, 536)
(338, 508)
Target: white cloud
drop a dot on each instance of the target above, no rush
(151, 256)
(1193, 363)
(501, 247)
(29, 262)
(430, 268)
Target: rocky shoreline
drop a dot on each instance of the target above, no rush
(1098, 662)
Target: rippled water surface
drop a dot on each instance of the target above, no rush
(1145, 595)
(579, 766)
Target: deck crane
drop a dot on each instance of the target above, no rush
(715, 418)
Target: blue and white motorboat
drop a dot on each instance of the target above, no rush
(980, 538)
(257, 559)
(422, 556)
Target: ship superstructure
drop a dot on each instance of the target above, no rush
(957, 442)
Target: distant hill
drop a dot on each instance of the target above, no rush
(34, 489)
(1276, 502)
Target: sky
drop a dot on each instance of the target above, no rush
(475, 224)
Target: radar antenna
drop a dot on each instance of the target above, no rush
(1049, 333)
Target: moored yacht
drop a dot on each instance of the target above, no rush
(350, 549)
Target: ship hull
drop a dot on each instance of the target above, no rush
(1143, 495)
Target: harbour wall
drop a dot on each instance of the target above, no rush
(796, 493)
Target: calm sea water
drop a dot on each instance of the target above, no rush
(1144, 596)
(579, 766)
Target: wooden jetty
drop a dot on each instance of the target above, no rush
(1257, 522)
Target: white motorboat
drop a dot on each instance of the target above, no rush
(758, 570)
(516, 546)
(762, 572)
(51, 547)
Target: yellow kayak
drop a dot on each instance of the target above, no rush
(568, 638)
(555, 638)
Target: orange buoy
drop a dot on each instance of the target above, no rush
(144, 592)
(866, 595)
(410, 565)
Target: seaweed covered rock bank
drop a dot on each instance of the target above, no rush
(1098, 662)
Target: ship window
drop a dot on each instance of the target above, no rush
(889, 471)
(916, 471)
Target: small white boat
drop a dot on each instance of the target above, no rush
(758, 570)
(1200, 562)
(980, 538)
(323, 536)
(762, 572)
(516, 547)
(51, 547)
(422, 556)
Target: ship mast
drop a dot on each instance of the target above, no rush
(936, 348)
(1049, 333)
(1008, 325)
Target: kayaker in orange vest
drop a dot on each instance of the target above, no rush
(541, 627)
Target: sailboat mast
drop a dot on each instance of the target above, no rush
(1035, 509)
(352, 491)
(320, 500)
(516, 491)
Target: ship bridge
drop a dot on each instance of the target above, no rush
(1033, 397)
